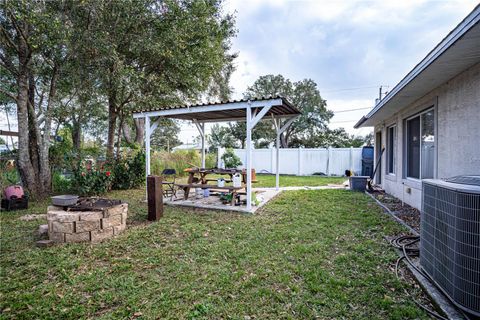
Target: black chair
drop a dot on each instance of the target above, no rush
(168, 183)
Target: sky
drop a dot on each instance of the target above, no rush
(349, 48)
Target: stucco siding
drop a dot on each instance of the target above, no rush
(457, 134)
(459, 125)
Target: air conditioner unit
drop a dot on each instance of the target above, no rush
(450, 238)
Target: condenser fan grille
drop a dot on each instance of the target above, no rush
(450, 242)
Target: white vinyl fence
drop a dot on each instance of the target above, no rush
(303, 161)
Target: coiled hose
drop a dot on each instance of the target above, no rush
(408, 245)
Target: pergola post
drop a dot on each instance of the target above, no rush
(203, 145)
(277, 165)
(147, 149)
(249, 156)
(201, 129)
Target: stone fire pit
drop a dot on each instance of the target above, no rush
(90, 220)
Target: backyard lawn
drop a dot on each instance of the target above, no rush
(307, 254)
(265, 180)
(268, 180)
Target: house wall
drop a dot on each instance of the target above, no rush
(457, 134)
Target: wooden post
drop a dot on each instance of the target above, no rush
(155, 198)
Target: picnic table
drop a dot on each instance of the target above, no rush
(186, 189)
(203, 173)
(197, 178)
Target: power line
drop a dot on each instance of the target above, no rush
(348, 89)
(340, 111)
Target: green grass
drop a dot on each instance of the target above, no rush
(307, 254)
(289, 181)
(268, 180)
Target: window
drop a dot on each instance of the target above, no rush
(420, 145)
(391, 138)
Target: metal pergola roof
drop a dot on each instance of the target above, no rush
(277, 109)
(233, 110)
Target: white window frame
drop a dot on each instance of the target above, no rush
(405, 149)
(394, 149)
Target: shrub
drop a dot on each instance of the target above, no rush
(230, 159)
(211, 160)
(129, 172)
(61, 184)
(92, 181)
(8, 173)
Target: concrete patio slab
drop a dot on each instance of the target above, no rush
(213, 202)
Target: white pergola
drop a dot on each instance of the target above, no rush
(277, 109)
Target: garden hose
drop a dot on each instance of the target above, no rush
(409, 249)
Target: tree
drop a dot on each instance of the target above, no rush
(369, 139)
(165, 137)
(305, 96)
(220, 137)
(151, 53)
(336, 138)
(64, 63)
(32, 55)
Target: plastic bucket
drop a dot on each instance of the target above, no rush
(358, 183)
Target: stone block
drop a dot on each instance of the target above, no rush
(54, 208)
(57, 237)
(62, 216)
(118, 209)
(65, 227)
(100, 235)
(85, 226)
(119, 229)
(91, 215)
(77, 237)
(112, 221)
(42, 229)
(44, 243)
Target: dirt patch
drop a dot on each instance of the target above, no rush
(410, 215)
(31, 217)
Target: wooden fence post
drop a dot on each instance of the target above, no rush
(155, 198)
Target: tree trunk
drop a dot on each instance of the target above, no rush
(127, 134)
(112, 121)
(45, 170)
(33, 133)
(119, 133)
(24, 165)
(76, 134)
(139, 130)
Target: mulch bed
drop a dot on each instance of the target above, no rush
(408, 214)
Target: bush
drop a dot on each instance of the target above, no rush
(61, 184)
(129, 172)
(230, 159)
(8, 174)
(211, 160)
(92, 181)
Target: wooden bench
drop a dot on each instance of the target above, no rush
(226, 180)
(186, 189)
